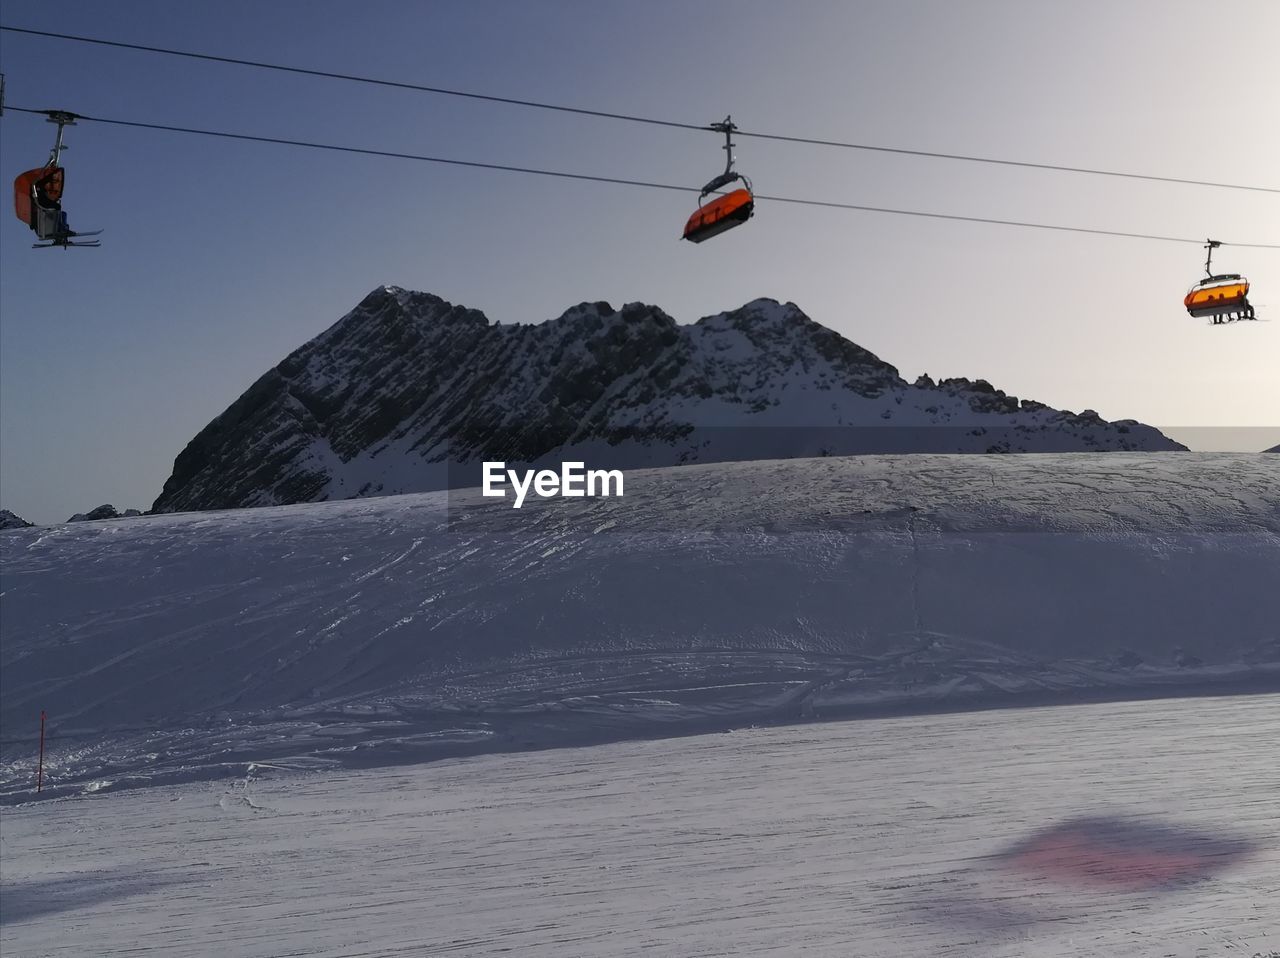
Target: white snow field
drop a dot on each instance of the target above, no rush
(899, 837)
(395, 630)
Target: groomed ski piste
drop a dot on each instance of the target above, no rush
(513, 723)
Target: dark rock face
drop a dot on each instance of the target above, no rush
(106, 511)
(10, 521)
(407, 384)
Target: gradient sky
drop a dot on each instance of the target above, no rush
(219, 257)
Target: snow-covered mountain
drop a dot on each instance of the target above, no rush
(406, 385)
(710, 596)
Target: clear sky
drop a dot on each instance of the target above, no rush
(221, 257)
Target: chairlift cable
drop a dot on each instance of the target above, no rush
(620, 181)
(632, 118)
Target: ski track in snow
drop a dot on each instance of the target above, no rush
(396, 630)
(874, 838)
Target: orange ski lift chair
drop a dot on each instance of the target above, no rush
(37, 194)
(724, 212)
(1218, 295)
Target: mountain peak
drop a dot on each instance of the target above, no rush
(760, 311)
(396, 304)
(600, 309)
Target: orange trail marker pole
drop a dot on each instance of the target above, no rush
(40, 767)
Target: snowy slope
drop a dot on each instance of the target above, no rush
(407, 392)
(403, 628)
(886, 838)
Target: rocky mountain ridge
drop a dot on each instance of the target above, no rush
(408, 393)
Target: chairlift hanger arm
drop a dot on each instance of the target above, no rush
(1210, 245)
(725, 126)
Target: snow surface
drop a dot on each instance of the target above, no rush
(885, 837)
(401, 629)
